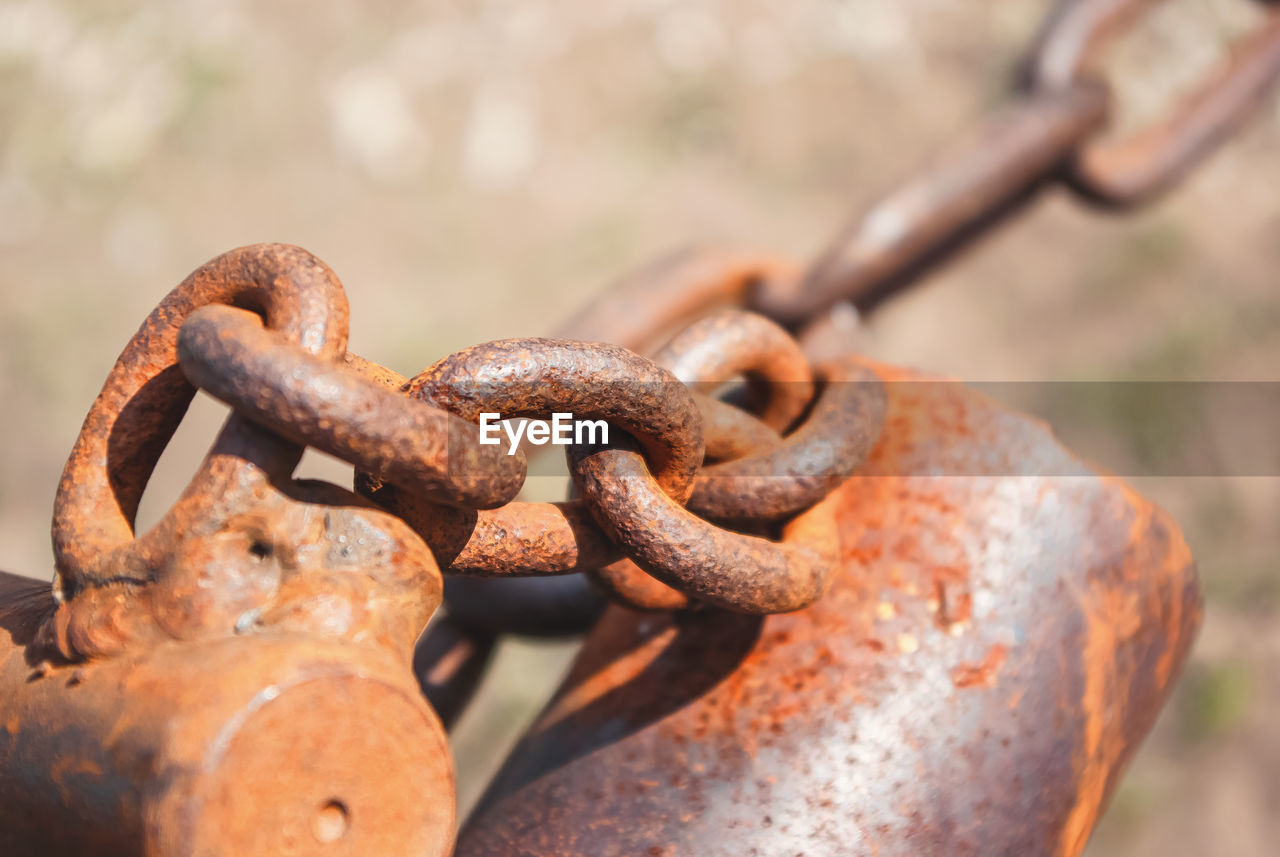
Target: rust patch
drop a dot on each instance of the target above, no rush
(982, 674)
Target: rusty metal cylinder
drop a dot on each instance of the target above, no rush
(1004, 628)
(249, 745)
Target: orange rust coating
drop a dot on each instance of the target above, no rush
(266, 554)
(244, 746)
(735, 571)
(834, 439)
(730, 432)
(543, 606)
(534, 378)
(766, 485)
(987, 660)
(145, 397)
(349, 414)
(732, 342)
(628, 584)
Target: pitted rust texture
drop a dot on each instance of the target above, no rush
(521, 538)
(145, 397)
(992, 650)
(245, 547)
(236, 746)
(297, 557)
(731, 570)
(1141, 166)
(765, 486)
(638, 312)
(213, 686)
(988, 658)
(729, 432)
(534, 378)
(324, 404)
(808, 464)
(559, 606)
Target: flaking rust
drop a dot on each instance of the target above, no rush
(991, 653)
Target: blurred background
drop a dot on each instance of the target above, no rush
(474, 170)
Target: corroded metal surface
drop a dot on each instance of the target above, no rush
(1148, 162)
(731, 570)
(759, 486)
(730, 432)
(321, 403)
(145, 397)
(534, 378)
(241, 679)
(213, 686)
(715, 349)
(808, 463)
(239, 746)
(647, 306)
(983, 666)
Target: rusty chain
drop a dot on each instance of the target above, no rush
(738, 416)
(1054, 130)
(702, 500)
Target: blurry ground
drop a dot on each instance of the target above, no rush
(476, 170)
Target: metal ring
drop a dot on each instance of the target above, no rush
(730, 432)
(533, 378)
(965, 189)
(709, 352)
(145, 396)
(1149, 162)
(743, 573)
(731, 342)
(809, 463)
(673, 549)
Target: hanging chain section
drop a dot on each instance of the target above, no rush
(1055, 129)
